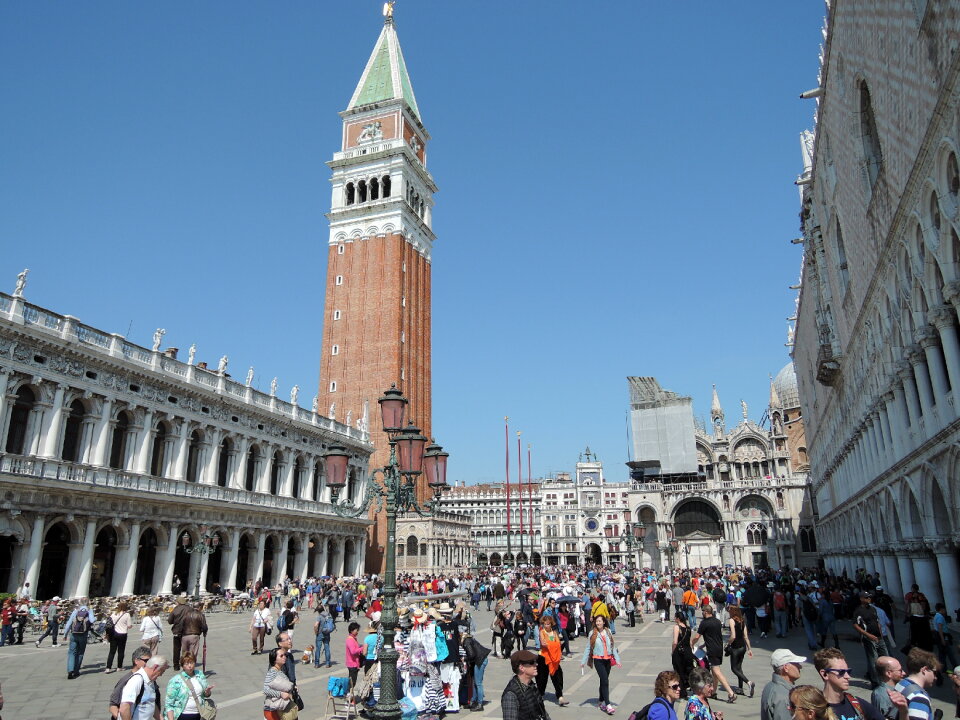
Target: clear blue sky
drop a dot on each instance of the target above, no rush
(616, 193)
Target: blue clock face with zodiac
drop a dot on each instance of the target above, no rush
(592, 525)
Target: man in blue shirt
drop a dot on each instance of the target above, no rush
(922, 668)
(81, 617)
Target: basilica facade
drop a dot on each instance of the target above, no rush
(118, 461)
(876, 343)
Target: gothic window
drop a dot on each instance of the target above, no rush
(118, 444)
(374, 189)
(780, 504)
(726, 502)
(385, 185)
(756, 534)
(872, 152)
(843, 275)
(934, 210)
(223, 461)
(351, 194)
(159, 446)
(412, 545)
(362, 191)
(71, 435)
(953, 177)
(193, 457)
(19, 420)
(808, 540)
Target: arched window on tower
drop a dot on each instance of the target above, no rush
(374, 189)
(20, 420)
(385, 185)
(872, 152)
(808, 540)
(362, 191)
(351, 194)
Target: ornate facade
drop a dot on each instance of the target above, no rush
(427, 545)
(746, 504)
(876, 343)
(114, 456)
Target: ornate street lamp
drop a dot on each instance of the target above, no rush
(633, 536)
(397, 491)
(674, 546)
(209, 542)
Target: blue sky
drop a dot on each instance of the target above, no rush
(616, 193)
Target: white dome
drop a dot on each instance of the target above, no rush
(785, 383)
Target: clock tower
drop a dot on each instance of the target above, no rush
(376, 325)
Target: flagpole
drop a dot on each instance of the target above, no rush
(520, 488)
(530, 496)
(506, 442)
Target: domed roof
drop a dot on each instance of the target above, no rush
(785, 383)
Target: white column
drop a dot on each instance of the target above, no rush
(891, 577)
(300, 559)
(142, 464)
(209, 474)
(180, 465)
(204, 567)
(922, 376)
(74, 562)
(239, 476)
(51, 438)
(949, 579)
(905, 372)
(233, 561)
(266, 463)
(321, 565)
(4, 403)
(907, 578)
(286, 479)
(257, 573)
(306, 483)
(943, 321)
(101, 435)
(129, 572)
(280, 558)
(163, 581)
(929, 342)
(927, 573)
(82, 588)
(35, 552)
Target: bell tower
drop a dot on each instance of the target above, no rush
(376, 325)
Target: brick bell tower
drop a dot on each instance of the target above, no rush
(376, 326)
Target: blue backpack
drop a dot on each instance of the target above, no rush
(282, 622)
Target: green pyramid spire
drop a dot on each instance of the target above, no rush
(385, 76)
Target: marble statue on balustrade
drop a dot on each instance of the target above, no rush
(250, 376)
(222, 365)
(273, 387)
(191, 354)
(21, 282)
(314, 404)
(333, 411)
(158, 338)
(294, 394)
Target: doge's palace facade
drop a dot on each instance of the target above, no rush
(115, 457)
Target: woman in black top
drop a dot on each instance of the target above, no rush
(739, 646)
(682, 655)
(663, 603)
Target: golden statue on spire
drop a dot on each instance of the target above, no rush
(388, 9)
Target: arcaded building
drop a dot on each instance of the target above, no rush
(876, 344)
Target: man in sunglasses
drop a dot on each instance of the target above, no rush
(521, 700)
(835, 672)
(866, 622)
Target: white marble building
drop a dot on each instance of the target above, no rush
(112, 453)
(435, 544)
(876, 343)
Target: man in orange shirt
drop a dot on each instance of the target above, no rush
(690, 602)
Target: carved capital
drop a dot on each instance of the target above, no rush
(939, 546)
(926, 336)
(941, 316)
(951, 291)
(914, 354)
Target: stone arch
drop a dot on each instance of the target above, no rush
(58, 535)
(914, 518)
(754, 506)
(696, 514)
(26, 397)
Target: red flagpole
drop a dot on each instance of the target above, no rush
(530, 493)
(506, 442)
(520, 487)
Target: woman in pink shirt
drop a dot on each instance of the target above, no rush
(355, 653)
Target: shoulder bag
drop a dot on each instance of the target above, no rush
(206, 707)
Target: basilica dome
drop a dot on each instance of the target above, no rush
(785, 383)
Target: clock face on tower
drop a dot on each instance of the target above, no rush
(592, 525)
(589, 478)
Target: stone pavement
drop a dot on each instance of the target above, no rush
(35, 686)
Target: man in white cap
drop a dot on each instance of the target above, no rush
(775, 699)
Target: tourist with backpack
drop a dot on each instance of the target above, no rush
(780, 612)
(78, 628)
(808, 613)
(288, 619)
(260, 625)
(666, 688)
(137, 660)
(322, 629)
(118, 624)
(140, 699)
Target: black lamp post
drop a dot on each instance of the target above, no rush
(209, 542)
(633, 536)
(674, 545)
(408, 460)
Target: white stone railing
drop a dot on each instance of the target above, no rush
(69, 328)
(370, 149)
(89, 476)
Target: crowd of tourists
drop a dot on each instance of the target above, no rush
(540, 621)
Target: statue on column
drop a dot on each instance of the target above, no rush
(294, 394)
(250, 376)
(349, 417)
(273, 387)
(315, 403)
(158, 338)
(191, 354)
(365, 419)
(333, 411)
(21, 282)
(743, 407)
(222, 365)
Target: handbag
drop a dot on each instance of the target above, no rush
(206, 707)
(297, 699)
(727, 648)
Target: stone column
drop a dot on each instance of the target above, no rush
(72, 579)
(280, 558)
(942, 319)
(341, 555)
(183, 451)
(101, 435)
(927, 574)
(233, 561)
(258, 558)
(240, 471)
(905, 565)
(300, 559)
(922, 375)
(204, 567)
(306, 484)
(208, 476)
(266, 462)
(321, 568)
(948, 571)
(905, 372)
(51, 440)
(142, 465)
(891, 577)
(362, 565)
(130, 564)
(4, 403)
(163, 580)
(886, 420)
(928, 339)
(82, 588)
(35, 553)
